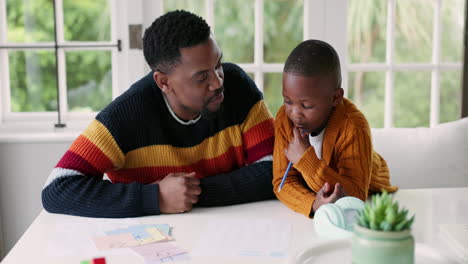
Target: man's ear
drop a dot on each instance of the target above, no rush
(162, 81)
(338, 96)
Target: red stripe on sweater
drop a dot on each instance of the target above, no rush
(258, 133)
(227, 162)
(74, 161)
(84, 148)
(260, 150)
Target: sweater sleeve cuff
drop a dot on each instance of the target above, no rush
(150, 200)
(308, 162)
(305, 207)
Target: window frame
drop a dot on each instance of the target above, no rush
(40, 122)
(390, 67)
(322, 19)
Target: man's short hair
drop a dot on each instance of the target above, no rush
(314, 58)
(168, 34)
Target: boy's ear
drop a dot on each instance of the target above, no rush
(338, 96)
(162, 81)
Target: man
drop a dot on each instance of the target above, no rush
(192, 132)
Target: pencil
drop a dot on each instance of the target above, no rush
(285, 176)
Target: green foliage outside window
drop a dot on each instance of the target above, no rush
(33, 72)
(367, 22)
(30, 73)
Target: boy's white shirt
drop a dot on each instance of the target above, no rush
(317, 142)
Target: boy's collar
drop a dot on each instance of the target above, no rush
(319, 130)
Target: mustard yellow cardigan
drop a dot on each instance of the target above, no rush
(347, 158)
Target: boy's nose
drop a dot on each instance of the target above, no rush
(296, 113)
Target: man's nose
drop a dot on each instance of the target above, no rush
(216, 81)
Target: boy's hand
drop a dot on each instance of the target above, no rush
(298, 145)
(328, 194)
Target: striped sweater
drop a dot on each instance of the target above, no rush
(347, 158)
(135, 141)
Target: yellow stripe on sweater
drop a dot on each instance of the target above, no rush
(166, 155)
(257, 114)
(100, 136)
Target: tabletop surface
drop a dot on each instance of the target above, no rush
(432, 207)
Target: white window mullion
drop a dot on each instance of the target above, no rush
(209, 12)
(389, 77)
(315, 19)
(113, 19)
(59, 17)
(273, 67)
(115, 73)
(6, 89)
(435, 78)
(258, 49)
(118, 76)
(62, 85)
(4, 67)
(61, 61)
(307, 18)
(5, 105)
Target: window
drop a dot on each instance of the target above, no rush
(405, 60)
(58, 64)
(256, 34)
(402, 64)
(401, 59)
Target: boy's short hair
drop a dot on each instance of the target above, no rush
(168, 34)
(312, 58)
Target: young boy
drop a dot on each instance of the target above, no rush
(325, 137)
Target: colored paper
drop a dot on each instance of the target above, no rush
(154, 253)
(73, 236)
(144, 234)
(99, 261)
(156, 234)
(115, 241)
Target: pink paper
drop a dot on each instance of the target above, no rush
(157, 251)
(115, 241)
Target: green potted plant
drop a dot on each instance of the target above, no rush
(382, 233)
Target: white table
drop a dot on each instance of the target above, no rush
(431, 207)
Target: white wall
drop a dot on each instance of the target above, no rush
(24, 168)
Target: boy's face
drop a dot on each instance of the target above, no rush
(308, 101)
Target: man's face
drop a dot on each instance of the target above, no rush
(308, 101)
(196, 84)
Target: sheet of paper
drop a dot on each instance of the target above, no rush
(144, 234)
(115, 241)
(158, 252)
(157, 234)
(266, 238)
(73, 236)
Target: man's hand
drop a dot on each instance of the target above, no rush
(298, 145)
(178, 192)
(328, 194)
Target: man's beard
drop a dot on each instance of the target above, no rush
(210, 115)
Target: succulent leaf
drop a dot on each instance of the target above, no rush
(382, 213)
